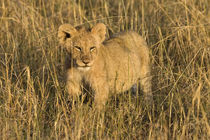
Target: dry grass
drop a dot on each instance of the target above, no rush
(33, 103)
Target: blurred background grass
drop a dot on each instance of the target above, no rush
(33, 103)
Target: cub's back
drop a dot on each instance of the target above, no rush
(127, 42)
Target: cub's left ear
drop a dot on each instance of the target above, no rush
(66, 31)
(100, 31)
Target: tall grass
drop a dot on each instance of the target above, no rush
(34, 104)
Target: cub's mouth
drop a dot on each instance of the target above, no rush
(84, 64)
(83, 68)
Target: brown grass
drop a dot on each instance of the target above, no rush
(34, 104)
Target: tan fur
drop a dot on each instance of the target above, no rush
(108, 67)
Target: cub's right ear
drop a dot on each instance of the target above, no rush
(66, 31)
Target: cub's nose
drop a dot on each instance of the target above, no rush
(86, 60)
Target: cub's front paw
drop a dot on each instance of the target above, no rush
(73, 90)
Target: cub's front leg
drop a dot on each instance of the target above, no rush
(73, 83)
(101, 95)
(73, 88)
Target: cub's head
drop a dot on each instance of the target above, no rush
(83, 45)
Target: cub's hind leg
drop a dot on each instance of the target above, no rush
(145, 83)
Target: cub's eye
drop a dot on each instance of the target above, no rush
(77, 48)
(92, 48)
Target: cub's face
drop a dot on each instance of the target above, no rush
(84, 50)
(83, 45)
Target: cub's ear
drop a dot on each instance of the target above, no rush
(65, 31)
(100, 31)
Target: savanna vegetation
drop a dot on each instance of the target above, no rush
(33, 100)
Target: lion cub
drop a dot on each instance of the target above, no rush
(108, 67)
